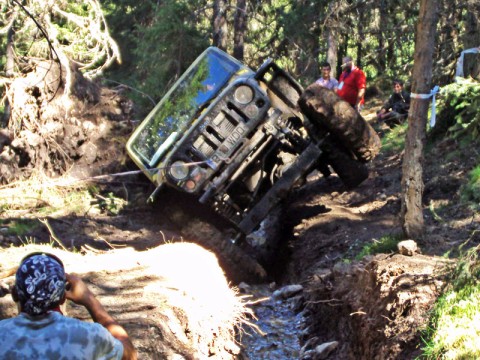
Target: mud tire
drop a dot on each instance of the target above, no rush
(351, 171)
(326, 111)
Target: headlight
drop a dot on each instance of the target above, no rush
(251, 110)
(179, 170)
(243, 94)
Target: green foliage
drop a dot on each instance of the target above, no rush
(177, 44)
(471, 190)
(458, 115)
(75, 29)
(394, 140)
(386, 244)
(453, 327)
(19, 227)
(158, 40)
(109, 204)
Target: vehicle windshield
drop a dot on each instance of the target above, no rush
(175, 112)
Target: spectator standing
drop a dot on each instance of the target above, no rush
(352, 84)
(41, 331)
(327, 80)
(395, 109)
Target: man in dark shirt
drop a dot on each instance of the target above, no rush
(395, 109)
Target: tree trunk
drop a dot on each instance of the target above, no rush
(360, 39)
(412, 169)
(446, 56)
(392, 39)
(240, 25)
(342, 52)
(381, 36)
(220, 24)
(471, 65)
(9, 72)
(332, 51)
(332, 43)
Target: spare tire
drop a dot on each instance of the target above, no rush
(327, 111)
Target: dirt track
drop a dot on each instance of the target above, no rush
(323, 225)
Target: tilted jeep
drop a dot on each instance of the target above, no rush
(238, 141)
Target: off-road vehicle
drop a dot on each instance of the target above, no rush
(239, 140)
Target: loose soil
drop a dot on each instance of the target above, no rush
(374, 307)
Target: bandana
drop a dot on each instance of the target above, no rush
(40, 283)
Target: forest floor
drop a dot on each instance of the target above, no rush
(364, 305)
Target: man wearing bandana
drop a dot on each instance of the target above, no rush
(40, 331)
(352, 84)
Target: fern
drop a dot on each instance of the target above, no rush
(459, 105)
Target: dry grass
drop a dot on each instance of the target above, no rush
(40, 195)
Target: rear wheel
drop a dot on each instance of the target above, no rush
(351, 171)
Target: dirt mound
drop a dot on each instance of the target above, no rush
(376, 308)
(58, 117)
(174, 300)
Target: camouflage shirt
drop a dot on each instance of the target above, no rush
(55, 336)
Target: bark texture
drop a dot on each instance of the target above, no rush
(472, 39)
(411, 213)
(240, 26)
(220, 25)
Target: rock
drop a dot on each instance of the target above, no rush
(308, 355)
(407, 247)
(322, 274)
(257, 238)
(287, 291)
(308, 345)
(244, 287)
(296, 303)
(89, 152)
(324, 350)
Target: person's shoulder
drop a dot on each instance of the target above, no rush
(75, 323)
(359, 71)
(7, 322)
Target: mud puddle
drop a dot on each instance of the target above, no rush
(279, 323)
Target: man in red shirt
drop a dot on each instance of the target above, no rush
(352, 84)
